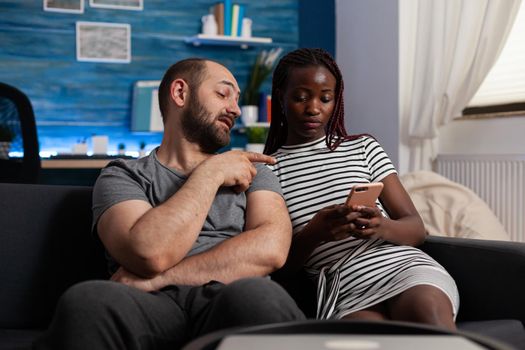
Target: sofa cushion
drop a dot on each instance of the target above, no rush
(17, 339)
(451, 209)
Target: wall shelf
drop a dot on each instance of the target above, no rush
(258, 124)
(242, 127)
(225, 40)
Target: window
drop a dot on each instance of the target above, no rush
(502, 93)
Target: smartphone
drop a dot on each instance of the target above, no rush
(365, 194)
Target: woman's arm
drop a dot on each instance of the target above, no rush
(404, 225)
(337, 222)
(332, 223)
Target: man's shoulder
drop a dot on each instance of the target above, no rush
(128, 165)
(259, 166)
(265, 180)
(120, 171)
(264, 170)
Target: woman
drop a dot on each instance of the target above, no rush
(363, 257)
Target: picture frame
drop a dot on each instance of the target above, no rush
(137, 5)
(64, 6)
(103, 42)
(145, 111)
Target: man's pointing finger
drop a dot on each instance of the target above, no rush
(260, 158)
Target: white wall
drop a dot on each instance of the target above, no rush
(367, 53)
(483, 136)
(368, 50)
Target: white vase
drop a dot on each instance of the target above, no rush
(255, 147)
(249, 114)
(209, 25)
(246, 27)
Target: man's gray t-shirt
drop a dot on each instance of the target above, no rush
(148, 180)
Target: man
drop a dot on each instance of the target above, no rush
(191, 234)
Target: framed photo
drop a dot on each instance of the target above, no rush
(103, 42)
(137, 5)
(67, 6)
(145, 110)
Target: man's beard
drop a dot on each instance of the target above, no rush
(199, 126)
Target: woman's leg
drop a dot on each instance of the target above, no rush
(376, 312)
(423, 304)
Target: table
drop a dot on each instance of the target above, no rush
(73, 170)
(364, 329)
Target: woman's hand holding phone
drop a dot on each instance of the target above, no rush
(364, 194)
(358, 217)
(368, 224)
(332, 223)
(362, 199)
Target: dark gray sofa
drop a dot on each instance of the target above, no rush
(46, 246)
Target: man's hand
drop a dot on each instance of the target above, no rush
(235, 168)
(145, 284)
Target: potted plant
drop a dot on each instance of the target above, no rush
(261, 69)
(256, 136)
(121, 148)
(142, 149)
(6, 138)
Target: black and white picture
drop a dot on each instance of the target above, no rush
(118, 4)
(67, 6)
(103, 42)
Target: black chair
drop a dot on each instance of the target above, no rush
(17, 114)
(332, 327)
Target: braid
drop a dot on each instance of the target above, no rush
(335, 128)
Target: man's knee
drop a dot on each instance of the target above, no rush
(81, 317)
(259, 299)
(90, 299)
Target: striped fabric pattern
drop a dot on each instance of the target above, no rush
(353, 274)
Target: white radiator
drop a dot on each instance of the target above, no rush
(498, 179)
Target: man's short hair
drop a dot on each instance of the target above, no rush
(192, 70)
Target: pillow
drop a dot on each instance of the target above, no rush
(450, 209)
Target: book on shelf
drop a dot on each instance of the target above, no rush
(265, 108)
(241, 17)
(229, 17)
(269, 108)
(235, 19)
(218, 12)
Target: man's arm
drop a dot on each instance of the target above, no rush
(136, 235)
(147, 241)
(258, 251)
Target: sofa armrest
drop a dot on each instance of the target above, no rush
(490, 275)
(46, 246)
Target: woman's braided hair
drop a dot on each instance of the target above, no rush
(300, 58)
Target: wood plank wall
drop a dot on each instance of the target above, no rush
(73, 100)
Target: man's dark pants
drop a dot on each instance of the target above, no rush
(109, 315)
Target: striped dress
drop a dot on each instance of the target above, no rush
(352, 274)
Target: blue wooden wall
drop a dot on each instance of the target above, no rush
(322, 34)
(74, 100)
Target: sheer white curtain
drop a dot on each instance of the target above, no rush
(447, 49)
